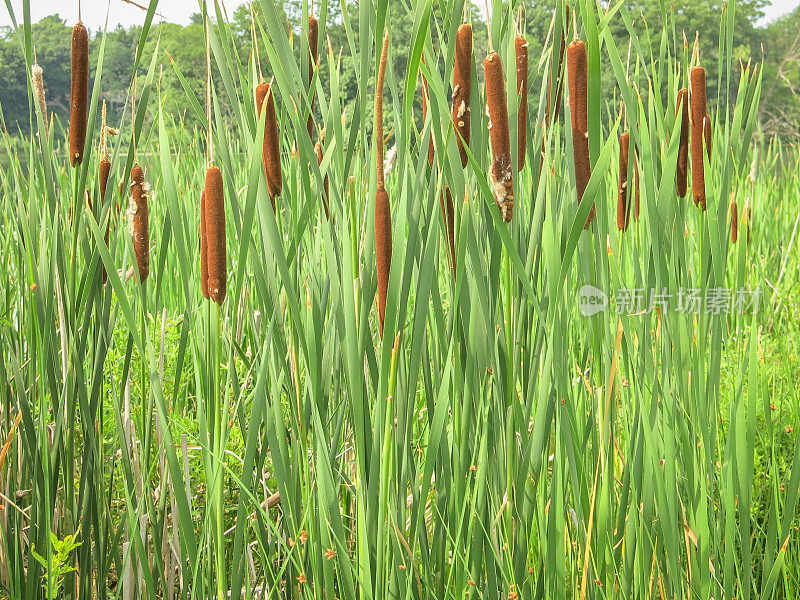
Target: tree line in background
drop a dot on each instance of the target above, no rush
(778, 44)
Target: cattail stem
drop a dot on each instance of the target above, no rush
(140, 227)
(683, 143)
(501, 172)
(271, 153)
(622, 189)
(383, 215)
(462, 87)
(698, 110)
(214, 223)
(313, 55)
(79, 93)
(521, 55)
(578, 101)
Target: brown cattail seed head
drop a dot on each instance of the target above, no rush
(313, 55)
(683, 144)
(577, 76)
(105, 170)
(448, 212)
(622, 189)
(79, 93)
(140, 227)
(698, 102)
(271, 156)
(203, 247)
(383, 213)
(521, 54)
(383, 249)
(462, 87)
(734, 222)
(707, 135)
(215, 235)
(500, 173)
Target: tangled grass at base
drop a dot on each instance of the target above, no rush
(482, 438)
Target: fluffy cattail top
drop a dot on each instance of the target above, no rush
(37, 78)
(271, 156)
(383, 214)
(521, 54)
(734, 221)
(140, 228)
(500, 173)
(462, 86)
(313, 55)
(698, 102)
(79, 93)
(683, 145)
(214, 223)
(578, 102)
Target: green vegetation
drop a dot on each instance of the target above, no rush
(493, 442)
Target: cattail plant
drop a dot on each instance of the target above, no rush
(548, 113)
(203, 247)
(79, 93)
(462, 86)
(622, 189)
(318, 150)
(425, 100)
(37, 78)
(313, 57)
(698, 112)
(448, 212)
(213, 221)
(577, 78)
(521, 56)
(383, 214)
(500, 173)
(271, 156)
(140, 227)
(104, 171)
(683, 143)
(560, 82)
(734, 221)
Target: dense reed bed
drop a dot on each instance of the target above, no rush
(417, 397)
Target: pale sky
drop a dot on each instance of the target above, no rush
(93, 12)
(178, 11)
